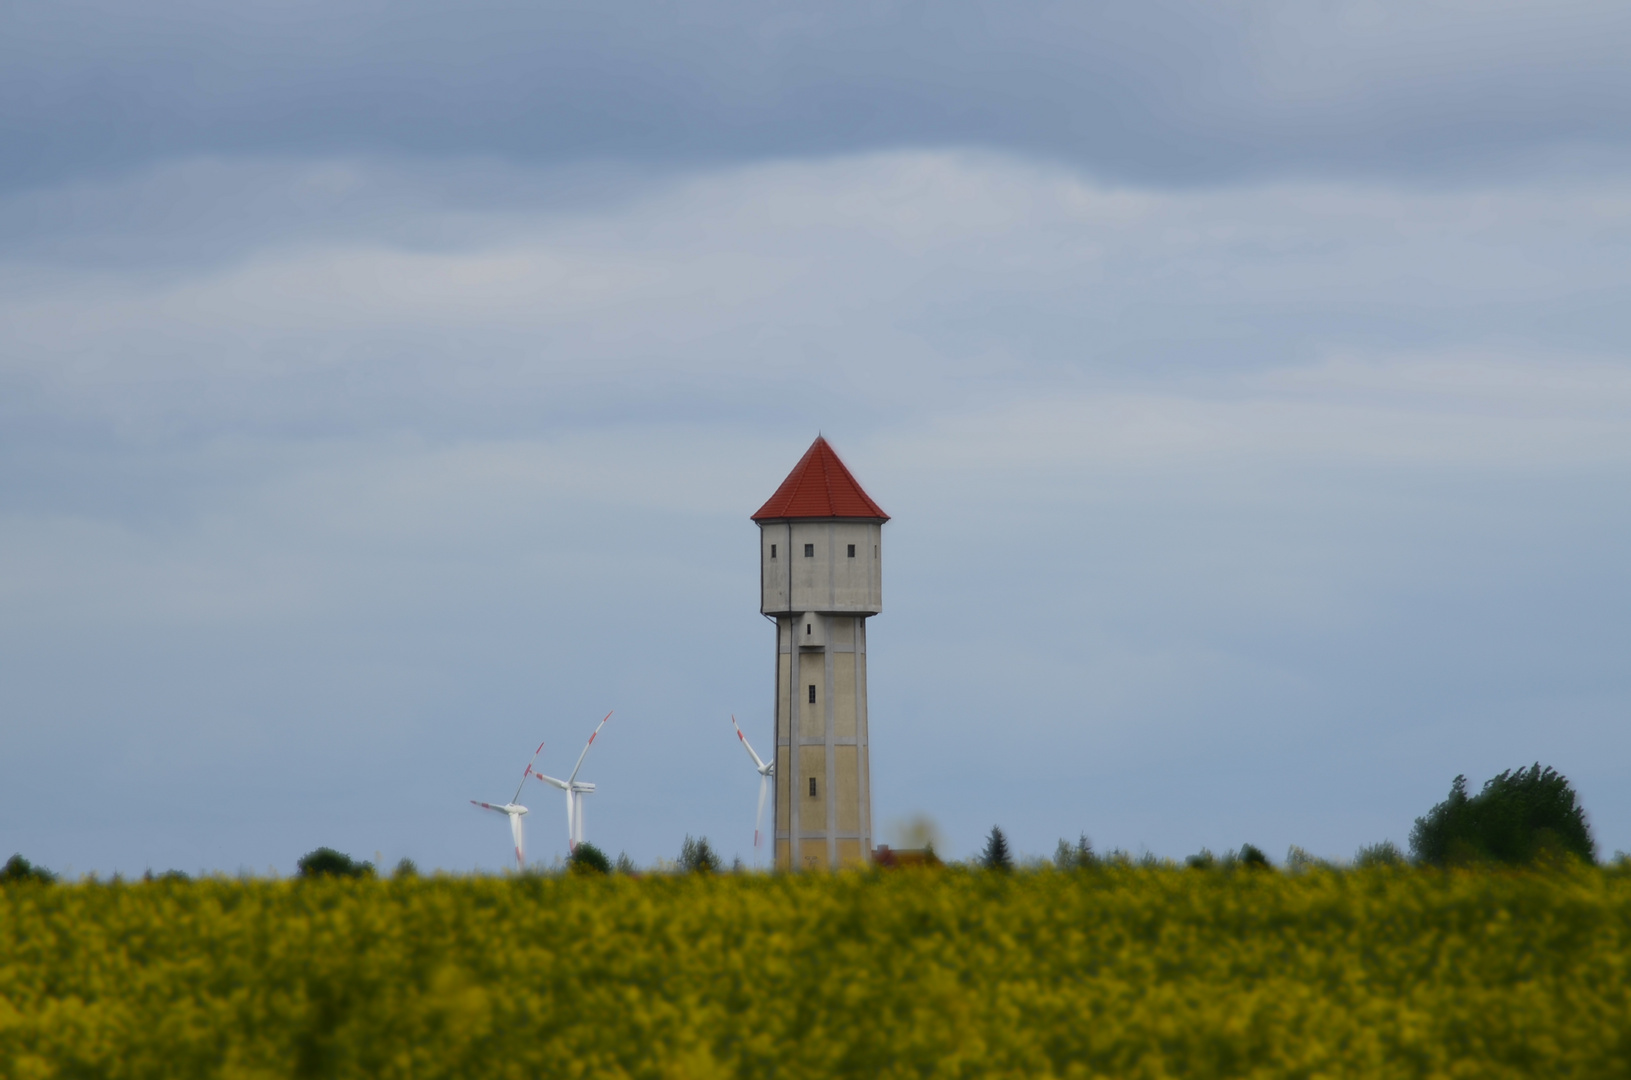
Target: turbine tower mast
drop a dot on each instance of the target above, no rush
(820, 552)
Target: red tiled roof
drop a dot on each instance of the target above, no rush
(820, 487)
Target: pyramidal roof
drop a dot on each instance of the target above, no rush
(820, 487)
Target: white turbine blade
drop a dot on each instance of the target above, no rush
(758, 762)
(528, 773)
(520, 842)
(764, 786)
(586, 747)
(550, 780)
(571, 819)
(489, 806)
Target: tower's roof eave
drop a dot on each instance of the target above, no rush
(813, 519)
(820, 487)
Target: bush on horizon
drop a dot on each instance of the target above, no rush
(326, 862)
(18, 869)
(588, 859)
(1520, 815)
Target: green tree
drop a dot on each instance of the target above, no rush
(326, 862)
(996, 856)
(588, 859)
(1519, 816)
(1385, 853)
(1252, 857)
(1077, 856)
(19, 869)
(696, 857)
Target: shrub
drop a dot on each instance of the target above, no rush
(1385, 853)
(326, 862)
(996, 856)
(168, 875)
(406, 868)
(888, 858)
(19, 869)
(1519, 816)
(1299, 860)
(696, 857)
(625, 865)
(588, 859)
(1252, 857)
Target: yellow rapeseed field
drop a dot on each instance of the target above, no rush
(1119, 972)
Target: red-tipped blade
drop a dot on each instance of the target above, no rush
(528, 772)
(586, 747)
(758, 763)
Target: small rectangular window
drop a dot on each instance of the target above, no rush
(809, 551)
(772, 551)
(812, 693)
(807, 628)
(812, 787)
(852, 551)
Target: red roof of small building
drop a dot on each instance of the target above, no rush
(820, 487)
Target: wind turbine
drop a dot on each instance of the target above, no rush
(766, 771)
(515, 811)
(575, 791)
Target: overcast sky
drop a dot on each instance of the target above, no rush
(386, 387)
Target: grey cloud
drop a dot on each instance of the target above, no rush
(912, 282)
(1173, 92)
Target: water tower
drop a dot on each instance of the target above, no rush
(820, 563)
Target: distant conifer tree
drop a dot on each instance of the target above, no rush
(996, 856)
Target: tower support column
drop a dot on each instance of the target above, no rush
(823, 793)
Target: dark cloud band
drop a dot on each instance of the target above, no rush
(1172, 92)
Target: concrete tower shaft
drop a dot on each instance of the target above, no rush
(820, 557)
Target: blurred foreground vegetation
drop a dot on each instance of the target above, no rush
(1108, 971)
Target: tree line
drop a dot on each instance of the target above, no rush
(1520, 817)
